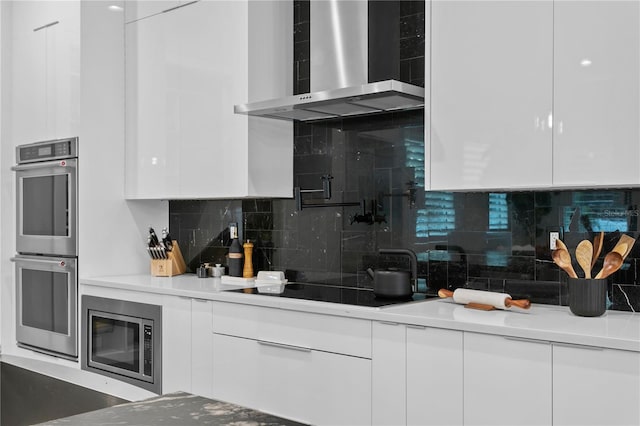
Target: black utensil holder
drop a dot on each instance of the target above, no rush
(587, 297)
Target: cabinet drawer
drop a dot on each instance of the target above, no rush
(328, 333)
(312, 387)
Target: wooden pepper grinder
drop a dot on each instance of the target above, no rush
(247, 271)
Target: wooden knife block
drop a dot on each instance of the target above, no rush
(173, 265)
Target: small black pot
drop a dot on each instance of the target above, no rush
(394, 284)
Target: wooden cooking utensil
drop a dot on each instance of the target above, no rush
(597, 247)
(612, 262)
(629, 241)
(584, 253)
(561, 245)
(620, 248)
(562, 258)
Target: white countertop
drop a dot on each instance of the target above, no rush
(614, 329)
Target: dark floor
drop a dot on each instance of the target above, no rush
(27, 397)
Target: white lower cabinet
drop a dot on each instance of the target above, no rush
(389, 374)
(416, 375)
(297, 383)
(176, 343)
(595, 386)
(306, 367)
(506, 381)
(201, 348)
(434, 376)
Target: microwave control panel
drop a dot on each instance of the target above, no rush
(148, 351)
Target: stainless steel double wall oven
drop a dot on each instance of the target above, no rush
(47, 246)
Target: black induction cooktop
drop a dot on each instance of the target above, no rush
(335, 294)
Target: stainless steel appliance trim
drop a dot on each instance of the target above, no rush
(338, 41)
(45, 244)
(44, 341)
(131, 309)
(389, 95)
(127, 318)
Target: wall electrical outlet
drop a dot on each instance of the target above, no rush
(553, 237)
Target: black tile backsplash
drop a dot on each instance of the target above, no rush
(491, 241)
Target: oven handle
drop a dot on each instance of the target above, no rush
(48, 262)
(44, 164)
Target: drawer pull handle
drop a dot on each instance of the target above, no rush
(417, 327)
(577, 346)
(283, 346)
(524, 339)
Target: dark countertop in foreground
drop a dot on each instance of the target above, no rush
(174, 409)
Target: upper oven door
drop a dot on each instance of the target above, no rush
(47, 207)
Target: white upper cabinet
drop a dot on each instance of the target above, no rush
(45, 70)
(185, 70)
(491, 87)
(596, 93)
(539, 94)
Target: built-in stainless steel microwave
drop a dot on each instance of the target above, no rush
(123, 340)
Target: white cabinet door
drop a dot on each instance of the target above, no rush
(63, 72)
(491, 88)
(152, 131)
(388, 374)
(201, 348)
(596, 93)
(593, 386)
(45, 70)
(506, 381)
(297, 383)
(434, 376)
(185, 71)
(29, 77)
(176, 344)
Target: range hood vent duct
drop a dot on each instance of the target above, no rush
(345, 44)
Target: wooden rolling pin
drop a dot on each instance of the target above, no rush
(486, 300)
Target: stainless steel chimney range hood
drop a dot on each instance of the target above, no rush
(339, 68)
(381, 96)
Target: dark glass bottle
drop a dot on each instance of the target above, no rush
(236, 261)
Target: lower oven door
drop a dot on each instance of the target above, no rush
(46, 304)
